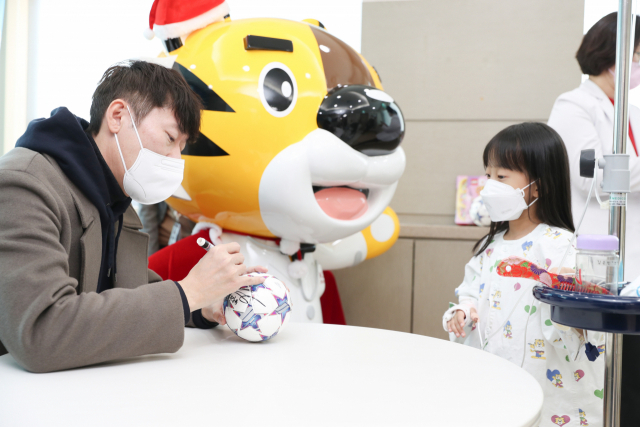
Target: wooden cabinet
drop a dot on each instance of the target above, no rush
(377, 292)
(409, 287)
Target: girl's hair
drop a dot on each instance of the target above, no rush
(537, 151)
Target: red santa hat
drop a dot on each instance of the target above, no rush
(170, 19)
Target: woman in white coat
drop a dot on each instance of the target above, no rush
(584, 120)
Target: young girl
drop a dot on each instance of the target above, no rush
(529, 201)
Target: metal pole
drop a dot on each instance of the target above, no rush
(618, 211)
(612, 376)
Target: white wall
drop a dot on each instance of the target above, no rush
(14, 58)
(72, 42)
(2, 75)
(343, 18)
(596, 9)
(2, 7)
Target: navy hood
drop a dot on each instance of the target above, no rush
(62, 136)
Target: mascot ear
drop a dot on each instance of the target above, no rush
(314, 22)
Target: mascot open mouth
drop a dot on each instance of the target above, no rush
(320, 189)
(342, 202)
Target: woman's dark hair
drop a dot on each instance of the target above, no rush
(145, 86)
(597, 51)
(537, 151)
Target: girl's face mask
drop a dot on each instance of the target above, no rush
(503, 202)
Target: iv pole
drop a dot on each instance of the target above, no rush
(618, 201)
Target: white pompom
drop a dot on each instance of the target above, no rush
(204, 225)
(214, 235)
(289, 247)
(297, 269)
(148, 34)
(479, 213)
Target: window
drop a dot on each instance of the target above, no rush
(59, 57)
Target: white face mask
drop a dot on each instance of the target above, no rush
(503, 202)
(153, 177)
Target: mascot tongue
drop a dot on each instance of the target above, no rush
(342, 203)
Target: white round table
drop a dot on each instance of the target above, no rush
(310, 375)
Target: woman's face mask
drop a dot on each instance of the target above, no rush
(503, 202)
(634, 76)
(153, 177)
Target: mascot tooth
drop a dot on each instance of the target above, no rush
(299, 154)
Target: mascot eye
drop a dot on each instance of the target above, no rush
(278, 89)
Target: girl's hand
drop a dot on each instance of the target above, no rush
(566, 271)
(456, 325)
(474, 315)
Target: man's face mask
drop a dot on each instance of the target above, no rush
(503, 202)
(153, 177)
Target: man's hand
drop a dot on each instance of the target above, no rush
(218, 274)
(215, 312)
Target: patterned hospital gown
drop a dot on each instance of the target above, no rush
(517, 327)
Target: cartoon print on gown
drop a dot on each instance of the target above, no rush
(508, 330)
(522, 331)
(555, 377)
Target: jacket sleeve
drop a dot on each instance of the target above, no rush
(577, 130)
(576, 127)
(153, 276)
(44, 323)
(468, 295)
(469, 291)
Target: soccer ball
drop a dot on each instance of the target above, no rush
(259, 312)
(479, 213)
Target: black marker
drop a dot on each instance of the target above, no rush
(204, 244)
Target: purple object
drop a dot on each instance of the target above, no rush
(597, 242)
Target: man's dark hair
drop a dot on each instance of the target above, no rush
(145, 86)
(597, 52)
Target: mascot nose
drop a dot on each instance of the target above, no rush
(364, 117)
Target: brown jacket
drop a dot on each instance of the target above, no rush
(51, 317)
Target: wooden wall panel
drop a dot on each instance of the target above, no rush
(439, 269)
(377, 292)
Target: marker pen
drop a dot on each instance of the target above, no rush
(204, 244)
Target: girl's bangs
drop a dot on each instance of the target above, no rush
(505, 154)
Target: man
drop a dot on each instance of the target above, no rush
(74, 285)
